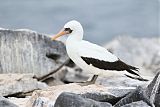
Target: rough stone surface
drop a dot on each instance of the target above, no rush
(42, 102)
(150, 95)
(117, 96)
(24, 51)
(141, 52)
(137, 104)
(73, 100)
(153, 90)
(57, 77)
(11, 84)
(20, 102)
(134, 96)
(75, 74)
(6, 103)
(95, 92)
(119, 81)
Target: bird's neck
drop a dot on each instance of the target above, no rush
(76, 36)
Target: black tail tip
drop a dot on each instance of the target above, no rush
(137, 78)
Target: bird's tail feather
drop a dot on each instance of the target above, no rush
(137, 78)
(131, 71)
(133, 68)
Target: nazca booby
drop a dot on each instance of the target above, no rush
(93, 58)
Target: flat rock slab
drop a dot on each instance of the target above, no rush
(11, 84)
(95, 92)
(24, 51)
(122, 81)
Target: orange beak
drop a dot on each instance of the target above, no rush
(61, 33)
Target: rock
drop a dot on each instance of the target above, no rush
(150, 95)
(153, 90)
(134, 96)
(75, 74)
(57, 77)
(95, 92)
(120, 81)
(66, 75)
(20, 102)
(6, 103)
(70, 63)
(24, 51)
(42, 102)
(51, 81)
(73, 100)
(141, 52)
(116, 95)
(137, 104)
(14, 84)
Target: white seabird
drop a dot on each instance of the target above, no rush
(93, 58)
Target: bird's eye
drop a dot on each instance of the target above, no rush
(68, 30)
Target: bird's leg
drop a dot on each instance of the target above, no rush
(92, 81)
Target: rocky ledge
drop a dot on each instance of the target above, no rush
(73, 95)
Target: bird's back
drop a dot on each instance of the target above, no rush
(88, 49)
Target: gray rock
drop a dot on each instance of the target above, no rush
(120, 81)
(20, 102)
(16, 84)
(42, 102)
(75, 74)
(150, 95)
(134, 96)
(24, 51)
(95, 92)
(6, 103)
(137, 104)
(74, 100)
(57, 77)
(153, 90)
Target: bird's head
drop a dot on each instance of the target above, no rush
(70, 28)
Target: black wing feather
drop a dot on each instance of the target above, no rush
(117, 65)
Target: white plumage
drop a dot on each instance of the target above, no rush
(91, 57)
(88, 49)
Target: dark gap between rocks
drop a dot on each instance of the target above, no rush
(67, 82)
(48, 79)
(20, 94)
(113, 102)
(17, 95)
(70, 63)
(53, 56)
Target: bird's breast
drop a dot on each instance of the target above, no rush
(72, 51)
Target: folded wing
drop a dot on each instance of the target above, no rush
(101, 58)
